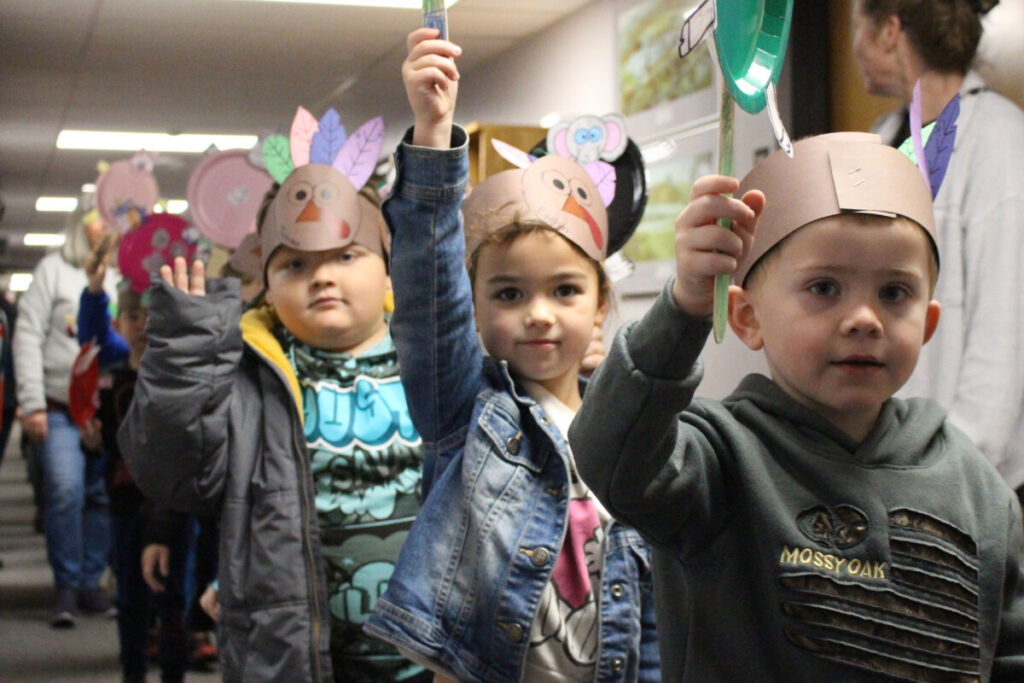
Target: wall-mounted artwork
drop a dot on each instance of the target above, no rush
(683, 159)
(658, 91)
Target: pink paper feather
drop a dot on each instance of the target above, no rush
(358, 156)
(304, 127)
(513, 155)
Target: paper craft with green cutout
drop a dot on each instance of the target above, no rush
(750, 38)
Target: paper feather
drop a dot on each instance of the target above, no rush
(277, 157)
(328, 140)
(939, 148)
(303, 128)
(603, 175)
(513, 155)
(358, 156)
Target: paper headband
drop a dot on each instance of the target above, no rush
(830, 175)
(569, 189)
(321, 170)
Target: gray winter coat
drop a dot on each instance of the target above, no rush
(216, 428)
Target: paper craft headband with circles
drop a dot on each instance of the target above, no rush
(321, 170)
(571, 188)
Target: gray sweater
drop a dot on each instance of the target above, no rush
(45, 337)
(787, 551)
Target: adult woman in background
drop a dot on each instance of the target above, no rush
(974, 364)
(76, 520)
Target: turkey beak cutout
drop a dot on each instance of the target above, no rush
(316, 209)
(559, 192)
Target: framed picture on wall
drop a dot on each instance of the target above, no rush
(673, 165)
(658, 92)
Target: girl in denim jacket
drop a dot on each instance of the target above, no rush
(512, 570)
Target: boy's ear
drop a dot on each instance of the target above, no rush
(117, 323)
(931, 320)
(743, 317)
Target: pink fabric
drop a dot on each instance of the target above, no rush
(571, 576)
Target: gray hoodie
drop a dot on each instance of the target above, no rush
(787, 550)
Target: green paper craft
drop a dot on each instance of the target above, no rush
(750, 38)
(277, 156)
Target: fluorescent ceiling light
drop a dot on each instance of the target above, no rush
(89, 187)
(151, 142)
(177, 205)
(57, 204)
(395, 4)
(43, 239)
(19, 282)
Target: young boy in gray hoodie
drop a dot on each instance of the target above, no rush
(809, 526)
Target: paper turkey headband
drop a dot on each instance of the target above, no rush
(321, 170)
(830, 175)
(569, 188)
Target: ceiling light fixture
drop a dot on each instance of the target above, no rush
(187, 143)
(57, 204)
(43, 239)
(392, 4)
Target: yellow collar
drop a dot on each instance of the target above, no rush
(257, 330)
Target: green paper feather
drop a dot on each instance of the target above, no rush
(277, 156)
(907, 147)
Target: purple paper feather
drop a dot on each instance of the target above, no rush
(329, 139)
(358, 156)
(915, 134)
(603, 175)
(939, 148)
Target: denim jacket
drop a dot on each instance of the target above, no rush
(469, 579)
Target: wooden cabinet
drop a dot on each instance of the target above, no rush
(484, 160)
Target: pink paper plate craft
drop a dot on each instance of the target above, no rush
(160, 239)
(225, 192)
(321, 170)
(127, 192)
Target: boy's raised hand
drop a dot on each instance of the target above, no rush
(432, 85)
(705, 249)
(179, 278)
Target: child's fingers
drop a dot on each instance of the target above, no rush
(198, 285)
(167, 274)
(180, 273)
(434, 63)
(714, 184)
(715, 238)
(424, 40)
(709, 208)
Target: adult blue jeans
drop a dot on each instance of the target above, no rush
(77, 520)
(136, 602)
